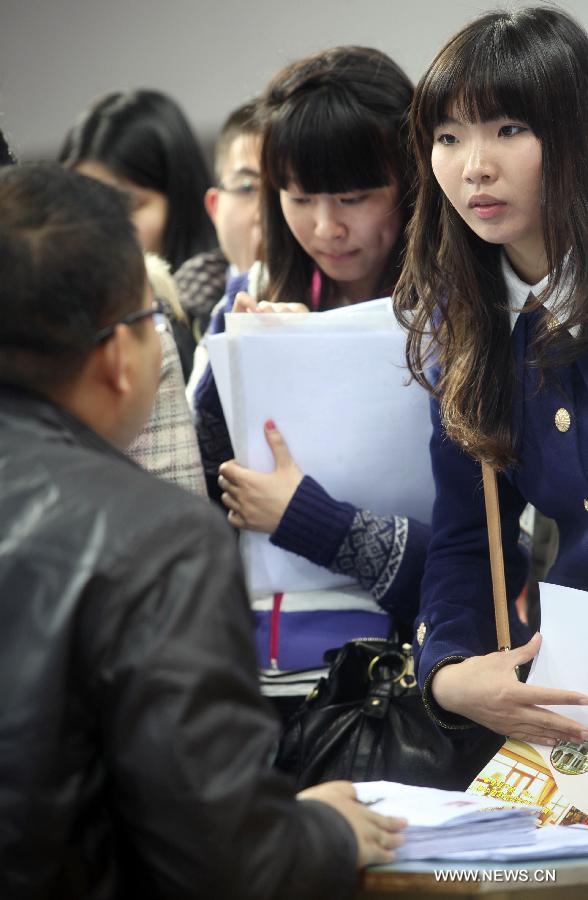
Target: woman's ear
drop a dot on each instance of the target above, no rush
(211, 202)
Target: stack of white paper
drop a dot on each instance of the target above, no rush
(336, 385)
(549, 842)
(449, 824)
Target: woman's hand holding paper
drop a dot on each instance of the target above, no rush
(258, 500)
(486, 690)
(245, 303)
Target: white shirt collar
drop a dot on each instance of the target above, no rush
(518, 294)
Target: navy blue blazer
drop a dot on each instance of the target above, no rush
(457, 612)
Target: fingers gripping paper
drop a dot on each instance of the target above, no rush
(337, 388)
(555, 778)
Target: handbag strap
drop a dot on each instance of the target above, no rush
(496, 556)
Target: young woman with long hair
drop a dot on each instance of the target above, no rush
(495, 296)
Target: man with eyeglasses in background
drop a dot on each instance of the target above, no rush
(233, 206)
(136, 748)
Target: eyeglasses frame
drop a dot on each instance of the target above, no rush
(157, 310)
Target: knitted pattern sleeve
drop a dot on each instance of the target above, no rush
(384, 554)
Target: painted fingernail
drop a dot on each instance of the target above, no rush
(270, 425)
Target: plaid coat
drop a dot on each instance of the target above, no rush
(167, 445)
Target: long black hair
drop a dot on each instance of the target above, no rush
(143, 136)
(333, 122)
(531, 65)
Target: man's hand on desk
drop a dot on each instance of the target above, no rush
(377, 836)
(486, 690)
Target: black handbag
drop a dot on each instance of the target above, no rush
(366, 721)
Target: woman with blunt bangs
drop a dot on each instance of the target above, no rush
(494, 293)
(335, 170)
(335, 124)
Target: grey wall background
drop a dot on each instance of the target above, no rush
(57, 55)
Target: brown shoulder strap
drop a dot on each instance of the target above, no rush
(496, 556)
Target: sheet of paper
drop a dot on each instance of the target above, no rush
(350, 420)
(238, 323)
(218, 351)
(561, 663)
(346, 319)
(382, 304)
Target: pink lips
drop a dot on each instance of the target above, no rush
(339, 257)
(486, 206)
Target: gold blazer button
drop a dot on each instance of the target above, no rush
(552, 323)
(562, 419)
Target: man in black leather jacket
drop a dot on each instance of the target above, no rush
(135, 749)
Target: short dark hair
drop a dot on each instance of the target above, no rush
(69, 265)
(243, 120)
(144, 136)
(334, 122)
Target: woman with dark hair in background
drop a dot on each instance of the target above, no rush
(335, 170)
(141, 142)
(496, 289)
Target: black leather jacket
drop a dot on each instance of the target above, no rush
(135, 748)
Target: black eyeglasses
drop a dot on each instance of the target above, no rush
(157, 310)
(241, 185)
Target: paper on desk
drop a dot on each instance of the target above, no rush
(426, 807)
(447, 824)
(350, 420)
(550, 842)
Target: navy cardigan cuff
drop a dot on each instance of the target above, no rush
(314, 524)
